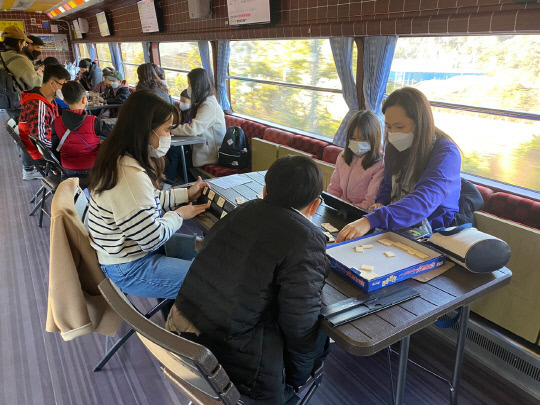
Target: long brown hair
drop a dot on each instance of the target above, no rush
(370, 127)
(142, 112)
(201, 88)
(418, 109)
(149, 79)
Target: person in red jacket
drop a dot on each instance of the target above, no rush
(38, 113)
(75, 135)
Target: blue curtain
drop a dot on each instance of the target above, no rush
(342, 48)
(146, 51)
(204, 52)
(378, 55)
(91, 51)
(224, 52)
(117, 58)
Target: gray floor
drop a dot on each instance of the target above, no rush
(40, 368)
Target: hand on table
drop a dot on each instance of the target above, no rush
(191, 211)
(196, 189)
(101, 99)
(354, 230)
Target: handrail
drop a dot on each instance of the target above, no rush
(484, 110)
(176, 70)
(285, 84)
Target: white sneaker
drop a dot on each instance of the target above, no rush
(31, 175)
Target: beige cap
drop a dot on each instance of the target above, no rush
(15, 32)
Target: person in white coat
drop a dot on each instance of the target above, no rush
(208, 119)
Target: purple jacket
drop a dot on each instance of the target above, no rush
(354, 184)
(435, 196)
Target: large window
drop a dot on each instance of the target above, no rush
(178, 59)
(289, 82)
(132, 56)
(103, 55)
(485, 93)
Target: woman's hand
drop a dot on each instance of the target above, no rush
(191, 211)
(354, 230)
(101, 99)
(195, 190)
(375, 206)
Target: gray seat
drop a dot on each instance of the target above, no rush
(190, 367)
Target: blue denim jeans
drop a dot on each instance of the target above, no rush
(159, 274)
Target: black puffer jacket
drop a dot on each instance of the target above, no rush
(253, 297)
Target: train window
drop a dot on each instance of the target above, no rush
(83, 51)
(289, 82)
(177, 59)
(132, 56)
(103, 55)
(485, 93)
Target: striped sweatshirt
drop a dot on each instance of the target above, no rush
(133, 218)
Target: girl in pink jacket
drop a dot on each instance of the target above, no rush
(360, 167)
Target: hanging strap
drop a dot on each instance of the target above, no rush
(63, 140)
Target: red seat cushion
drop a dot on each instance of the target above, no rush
(331, 153)
(309, 145)
(232, 121)
(515, 208)
(253, 129)
(278, 136)
(220, 171)
(485, 191)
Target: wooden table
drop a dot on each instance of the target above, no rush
(456, 288)
(102, 106)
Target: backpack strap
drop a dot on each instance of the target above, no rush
(63, 140)
(9, 71)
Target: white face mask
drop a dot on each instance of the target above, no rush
(115, 85)
(189, 91)
(401, 140)
(184, 106)
(359, 148)
(58, 93)
(162, 149)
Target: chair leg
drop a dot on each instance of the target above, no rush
(33, 200)
(43, 208)
(127, 335)
(37, 205)
(316, 384)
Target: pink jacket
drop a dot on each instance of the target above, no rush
(354, 184)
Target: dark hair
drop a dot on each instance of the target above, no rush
(108, 69)
(36, 40)
(84, 63)
(293, 181)
(185, 94)
(73, 92)
(12, 42)
(148, 78)
(142, 112)
(51, 60)
(55, 71)
(201, 88)
(159, 71)
(418, 109)
(370, 127)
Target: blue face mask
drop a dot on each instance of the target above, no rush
(359, 148)
(115, 85)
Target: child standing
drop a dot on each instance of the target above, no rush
(360, 167)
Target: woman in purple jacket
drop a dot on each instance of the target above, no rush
(422, 170)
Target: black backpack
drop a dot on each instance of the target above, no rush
(10, 98)
(234, 150)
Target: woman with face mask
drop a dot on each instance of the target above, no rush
(207, 119)
(132, 222)
(421, 182)
(117, 92)
(359, 168)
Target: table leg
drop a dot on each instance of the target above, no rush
(184, 164)
(460, 349)
(402, 373)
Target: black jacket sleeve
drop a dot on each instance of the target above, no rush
(55, 140)
(121, 95)
(470, 200)
(101, 128)
(300, 280)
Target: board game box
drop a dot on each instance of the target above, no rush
(382, 259)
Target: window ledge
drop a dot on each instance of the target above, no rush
(508, 188)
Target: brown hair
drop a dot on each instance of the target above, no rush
(149, 79)
(418, 109)
(370, 127)
(142, 112)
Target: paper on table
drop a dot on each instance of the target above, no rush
(229, 181)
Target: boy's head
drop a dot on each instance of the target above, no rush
(293, 181)
(185, 100)
(74, 94)
(54, 77)
(113, 79)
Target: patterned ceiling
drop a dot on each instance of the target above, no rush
(26, 5)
